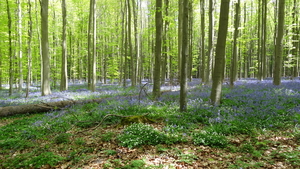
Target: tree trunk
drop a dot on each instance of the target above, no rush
(1, 69)
(158, 25)
(20, 53)
(259, 63)
(64, 69)
(90, 44)
(203, 67)
(184, 56)
(279, 45)
(264, 40)
(180, 8)
(234, 59)
(11, 74)
(29, 71)
(295, 39)
(43, 107)
(190, 41)
(135, 54)
(165, 45)
(132, 75)
(210, 43)
(45, 49)
(218, 73)
(94, 58)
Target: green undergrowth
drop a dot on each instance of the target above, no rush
(54, 138)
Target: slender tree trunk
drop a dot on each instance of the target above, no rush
(29, 71)
(218, 73)
(234, 59)
(20, 52)
(94, 56)
(210, 42)
(135, 54)
(245, 63)
(165, 45)
(184, 56)
(158, 39)
(259, 67)
(203, 67)
(180, 8)
(90, 44)
(125, 50)
(295, 39)
(190, 41)
(64, 68)
(132, 75)
(279, 44)
(11, 74)
(264, 39)
(45, 49)
(1, 69)
(121, 67)
(274, 37)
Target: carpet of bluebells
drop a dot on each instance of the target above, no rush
(257, 125)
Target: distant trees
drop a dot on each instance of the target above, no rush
(107, 41)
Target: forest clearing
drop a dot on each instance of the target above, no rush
(256, 126)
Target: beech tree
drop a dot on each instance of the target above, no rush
(11, 74)
(218, 73)
(234, 59)
(45, 48)
(184, 56)
(64, 73)
(279, 45)
(29, 56)
(158, 40)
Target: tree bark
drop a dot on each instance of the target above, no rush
(234, 59)
(158, 25)
(42, 107)
(20, 53)
(184, 56)
(11, 74)
(218, 73)
(295, 31)
(203, 67)
(64, 68)
(279, 45)
(29, 57)
(210, 43)
(45, 49)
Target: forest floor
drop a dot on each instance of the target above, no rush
(256, 126)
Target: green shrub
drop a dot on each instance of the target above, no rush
(62, 138)
(46, 158)
(28, 160)
(110, 152)
(210, 139)
(16, 144)
(139, 134)
(79, 141)
(107, 136)
(135, 164)
(247, 148)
